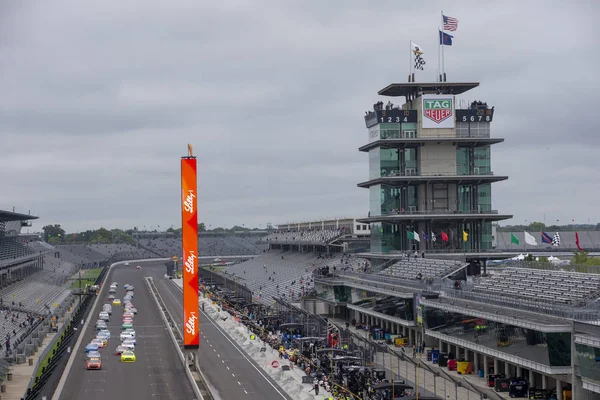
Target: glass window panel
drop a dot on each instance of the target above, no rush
(375, 200)
(390, 164)
(390, 131)
(376, 231)
(549, 349)
(374, 164)
(587, 357)
(462, 161)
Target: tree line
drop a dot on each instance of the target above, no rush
(540, 226)
(55, 234)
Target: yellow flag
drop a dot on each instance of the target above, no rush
(465, 236)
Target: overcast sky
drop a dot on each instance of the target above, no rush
(98, 101)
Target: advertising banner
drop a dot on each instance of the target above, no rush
(438, 111)
(189, 262)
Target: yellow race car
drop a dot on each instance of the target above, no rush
(116, 302)
(128, 356)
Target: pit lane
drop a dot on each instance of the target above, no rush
(231, 374)
(157, 373)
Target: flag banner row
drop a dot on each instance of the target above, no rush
(553, 240)
(413, 235)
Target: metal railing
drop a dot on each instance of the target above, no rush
(592, 313)
(377, 281)
(416, 174)
(398, 135)
(442, 212)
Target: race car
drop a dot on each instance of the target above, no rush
(127, 335)
(92, 354)
(116, 302)
(120, 349)
(104, 332)
(94, 363)
(128, 356)
(126, 325)
(102, 340)
(138, 267)
(129, 343)
(91, 347)
(98, 342)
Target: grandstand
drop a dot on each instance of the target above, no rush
(29, 286)
(287, 274)
(84, 253)
(209, 244)
(545, 286)
(318, 237)
(422, 268)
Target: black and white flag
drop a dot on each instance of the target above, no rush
(556, 240)
(419, 60)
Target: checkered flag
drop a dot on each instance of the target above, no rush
(419, 61)
(556, 240)
(433, 238)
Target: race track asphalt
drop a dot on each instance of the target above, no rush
(157, 373)
(231, 373)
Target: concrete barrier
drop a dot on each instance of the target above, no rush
(195, 388)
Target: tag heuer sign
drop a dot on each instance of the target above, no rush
(437, 110)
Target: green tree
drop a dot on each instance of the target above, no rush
(580, 257)
(201, 227)
(53, 231)
(537, 226)
(177, 232)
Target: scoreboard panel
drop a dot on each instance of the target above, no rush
(394, 116)
(475, 115)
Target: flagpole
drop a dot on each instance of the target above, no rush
(442, 46)
(438, 79)
(410, 63)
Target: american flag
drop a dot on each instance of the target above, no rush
(450, 24)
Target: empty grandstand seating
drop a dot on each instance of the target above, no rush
(11, 248)
(111, 249)
(313, 236)
(280, 274)
(39, 246)
(39, 291)
(411, 268)
(84, 252)
(209, 245)
(547, 286)
(121, 251)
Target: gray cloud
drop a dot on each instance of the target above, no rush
(99, 100)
